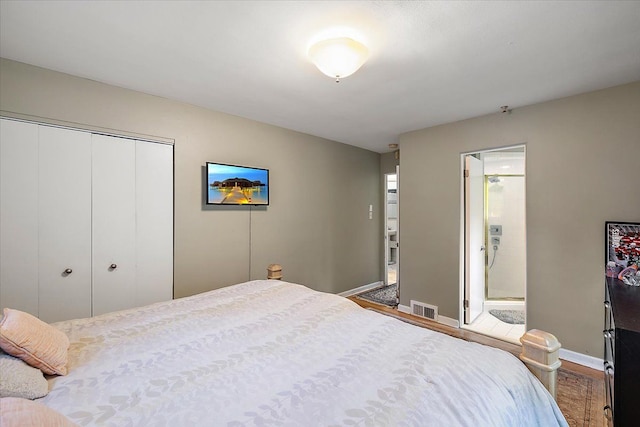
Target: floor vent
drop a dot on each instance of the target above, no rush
(424, 310)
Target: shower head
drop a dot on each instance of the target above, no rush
(493, 179)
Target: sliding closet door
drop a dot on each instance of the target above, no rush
(64, 218)
(154, 222)
(114, 232)
(86, 224)
(19, 216)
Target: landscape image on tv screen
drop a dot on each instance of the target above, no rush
(237, 185)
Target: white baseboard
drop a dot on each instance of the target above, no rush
(582, 359)
(441, 319)
(361, 289)
(448, 321)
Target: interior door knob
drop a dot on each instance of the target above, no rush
(113, 266)
(68, 271)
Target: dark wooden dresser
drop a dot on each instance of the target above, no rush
(622, 353)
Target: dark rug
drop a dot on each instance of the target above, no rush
(385, 295)
(513, 317)
(579, 400)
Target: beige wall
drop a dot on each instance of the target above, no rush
(388, 163)
(582, 163)
(317, 223)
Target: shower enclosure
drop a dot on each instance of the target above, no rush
(505, 225)
(505, 251)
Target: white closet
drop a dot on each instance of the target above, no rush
(113, 227)
(63, 197)
(86, 221)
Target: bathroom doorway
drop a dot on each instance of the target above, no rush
(391, 228)
(493, 286)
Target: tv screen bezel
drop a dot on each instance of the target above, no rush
(206, 179)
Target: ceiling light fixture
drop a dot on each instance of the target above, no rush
(338, 57)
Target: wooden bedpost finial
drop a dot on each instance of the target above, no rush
(540, 353)
(274, 271)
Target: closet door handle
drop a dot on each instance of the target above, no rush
(113, 266)
(68, 271)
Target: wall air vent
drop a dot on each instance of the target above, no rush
(424, 310)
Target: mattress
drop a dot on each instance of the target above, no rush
(276, 353)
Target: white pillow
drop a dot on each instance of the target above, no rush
(17, 379)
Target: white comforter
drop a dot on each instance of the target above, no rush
(275, 353)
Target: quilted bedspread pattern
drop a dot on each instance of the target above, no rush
(276, 353)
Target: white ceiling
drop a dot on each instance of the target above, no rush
(431, 62)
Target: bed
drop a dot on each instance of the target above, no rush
(269, 352)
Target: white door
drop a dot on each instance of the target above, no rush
(64, 217)
(154, 222)
(474, 239)
(19, 216)
(113, 227)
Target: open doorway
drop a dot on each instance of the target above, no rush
(389, 293)
(391, 257)
(493, 259)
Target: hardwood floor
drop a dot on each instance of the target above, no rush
(580, 392)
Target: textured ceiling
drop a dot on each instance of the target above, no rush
(431, 62)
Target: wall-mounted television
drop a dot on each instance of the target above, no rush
(237, 185)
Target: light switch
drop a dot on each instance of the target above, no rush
(495, 230)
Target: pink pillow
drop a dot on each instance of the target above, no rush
(17, 412)
(37, 343)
